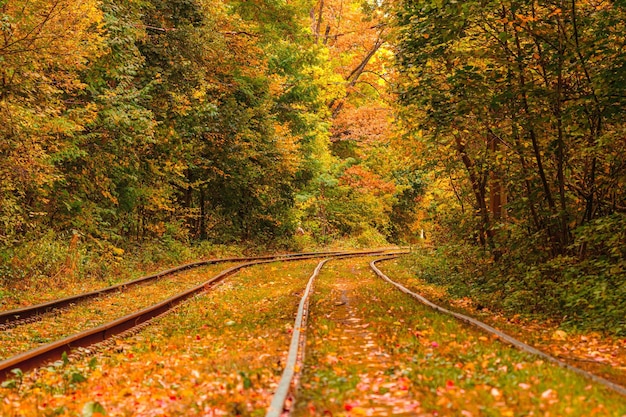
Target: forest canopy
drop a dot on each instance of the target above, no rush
(129, 120)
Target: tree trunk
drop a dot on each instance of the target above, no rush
(485, 233)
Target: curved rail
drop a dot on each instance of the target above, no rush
(295, 357)
(296, 347)
(8, 317)
(503, 336)
(53, 351)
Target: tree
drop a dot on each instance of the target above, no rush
(43, 47)
(517, 90)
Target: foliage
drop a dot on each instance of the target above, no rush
(360, 185)
(586, 293)
(43, 47)
(60, 264)
(519, 117)
(126, 122)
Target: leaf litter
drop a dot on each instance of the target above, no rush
(370, 351)
(386, 354)
(220, 353)
(94, 312)
(602, 354)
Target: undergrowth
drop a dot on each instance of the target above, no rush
(584, 289)
(57, 264)
(62, 263)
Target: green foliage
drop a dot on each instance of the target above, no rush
(411, 186)
(92, 408)
(16, 382)
(518, 110)
(587, 293)
(368, 238)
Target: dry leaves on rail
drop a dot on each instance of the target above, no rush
(601, 354)
(374, 351)
(97, 311)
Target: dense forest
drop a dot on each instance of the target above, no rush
(190, 120)
(207, 120)
(495, 126)
(520, 108)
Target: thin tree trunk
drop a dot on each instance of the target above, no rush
(318, 24)
(485, 232)
(560, 149)
(495, 183)
(203, 232)
(595, 121)
(555, 235)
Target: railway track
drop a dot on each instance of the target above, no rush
(496, 333)
(355, 305)
(91, 313)
(54, 350)
(15, 317)
(285, 395)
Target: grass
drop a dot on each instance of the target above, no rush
(430, 359)
(52, 268)
(371, 350)
(600, 353)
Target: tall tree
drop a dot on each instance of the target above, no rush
(43, 47)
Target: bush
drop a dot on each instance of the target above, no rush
(368, 238)
(585, 289)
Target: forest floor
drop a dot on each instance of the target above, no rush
(370, 350)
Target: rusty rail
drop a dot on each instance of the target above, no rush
(493, 331)
(25, 313)
(36, 357)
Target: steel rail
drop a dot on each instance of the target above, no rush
(26, 313)
(295, 356)
(282, 390)
(52, 351)
(501, 335)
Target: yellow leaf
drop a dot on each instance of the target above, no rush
(359, 411)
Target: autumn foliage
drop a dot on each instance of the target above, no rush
(188, 120)
(519, 109)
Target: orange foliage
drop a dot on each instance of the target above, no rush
(360, 178)
(365, 124)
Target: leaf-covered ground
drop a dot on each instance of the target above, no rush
(92, 313)
(371, 350)
(602, 354)
(219, 354)
(374, 351)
